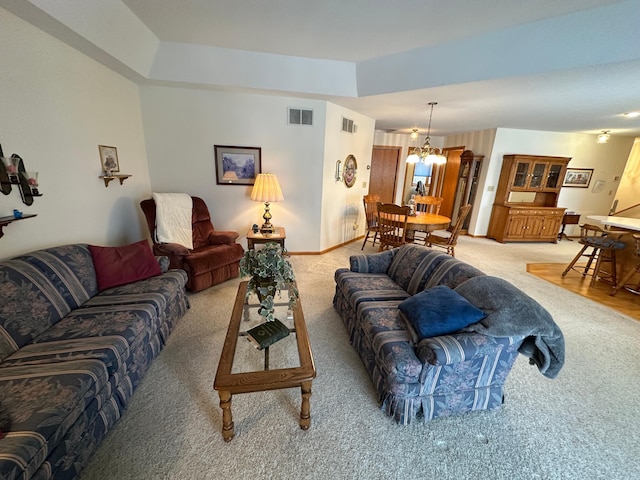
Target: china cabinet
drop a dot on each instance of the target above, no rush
(526, 204)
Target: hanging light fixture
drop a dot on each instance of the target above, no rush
(426, 153)
(604, 136)
(414, 133)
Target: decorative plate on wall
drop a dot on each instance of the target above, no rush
(350, 171)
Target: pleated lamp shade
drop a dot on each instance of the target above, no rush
(266, 188)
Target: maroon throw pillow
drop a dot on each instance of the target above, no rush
(121, 265)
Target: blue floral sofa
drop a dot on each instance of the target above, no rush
(440, 367)
(71, 356)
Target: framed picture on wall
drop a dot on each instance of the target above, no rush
(237, 165)
(109, 159)
(577, 177)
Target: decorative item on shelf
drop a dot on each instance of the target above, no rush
(255, 228)
(426, 153)
(17, 213)
(270, 273)
(32, 181)
(110, 165)
(266, 189)
(11, 165)
(109, 159)
(604, 136)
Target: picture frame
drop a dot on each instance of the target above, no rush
(237, 165)
(109, 159)
(577, 177)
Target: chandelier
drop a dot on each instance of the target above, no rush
(604, 136)
(426, 153)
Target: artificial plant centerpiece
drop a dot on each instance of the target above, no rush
(270, 273)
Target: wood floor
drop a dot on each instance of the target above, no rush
(624, 301)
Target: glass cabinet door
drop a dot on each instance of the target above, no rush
(520, 177)
(537, 175)
(553, 176)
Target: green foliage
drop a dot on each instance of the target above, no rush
(270, 273)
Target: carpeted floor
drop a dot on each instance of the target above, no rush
(624, 301)
(582, 425)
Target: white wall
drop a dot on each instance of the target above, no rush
(342, 216)
(182, 126)
(629, 190)
(58, 106)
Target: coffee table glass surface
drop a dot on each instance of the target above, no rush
(243, 368)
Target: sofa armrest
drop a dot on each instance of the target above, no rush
(170, 249)
(459, 347)
(219, 237)
(372, 263)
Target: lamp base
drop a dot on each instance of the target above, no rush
(267, 228)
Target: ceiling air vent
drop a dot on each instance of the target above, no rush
(348, 125)
(300, 116)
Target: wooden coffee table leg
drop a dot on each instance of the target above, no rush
(305, 410)
(227, 419)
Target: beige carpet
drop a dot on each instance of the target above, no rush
(624, 301)
(582, 425)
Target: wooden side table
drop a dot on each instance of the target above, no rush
(568, 219)
(278, 236)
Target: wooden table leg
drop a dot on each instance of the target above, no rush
(227, 419)
(305, 409)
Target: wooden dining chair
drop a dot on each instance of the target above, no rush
(448, 239)
(370, 208)
(392, 225)
(428, 204)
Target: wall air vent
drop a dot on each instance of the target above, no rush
(348, 125)
(300, 116)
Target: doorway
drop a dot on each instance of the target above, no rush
(383, 178)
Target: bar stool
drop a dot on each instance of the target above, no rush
(618, 286)
(603, 250)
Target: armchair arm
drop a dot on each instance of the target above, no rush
(219, 237)
(459, 347)
(170, 249)
(372, 263)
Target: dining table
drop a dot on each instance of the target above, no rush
(427, 222)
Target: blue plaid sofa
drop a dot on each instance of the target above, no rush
(447, 374)
(71, 356)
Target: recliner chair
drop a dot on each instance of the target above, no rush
(215, 257)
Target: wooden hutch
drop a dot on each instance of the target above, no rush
(526, 204)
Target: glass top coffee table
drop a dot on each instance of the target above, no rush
(243, 368)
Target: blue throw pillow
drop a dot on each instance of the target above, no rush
(439, 311)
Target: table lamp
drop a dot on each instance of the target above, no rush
(266, 189)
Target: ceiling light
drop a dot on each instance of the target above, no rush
(632, 114)
(604, 136)
(427, 153)
(414, 133)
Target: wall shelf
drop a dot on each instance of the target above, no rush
(108, 178)
(4, 221)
